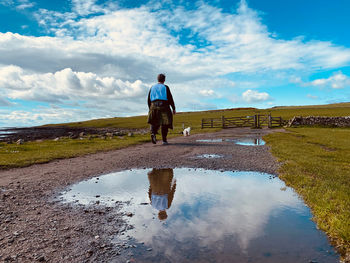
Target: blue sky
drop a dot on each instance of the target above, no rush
(72, 60)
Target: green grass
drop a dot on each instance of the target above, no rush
(13, 155)
(316, 163)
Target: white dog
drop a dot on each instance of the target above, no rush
(187, 131)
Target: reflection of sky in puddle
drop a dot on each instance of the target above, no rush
(248, 141)
(210, 216)
(209, 156)
(243, 141)
(209, 140)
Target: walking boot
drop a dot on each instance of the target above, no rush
(153, 138)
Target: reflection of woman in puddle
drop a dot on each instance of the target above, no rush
(161, 190)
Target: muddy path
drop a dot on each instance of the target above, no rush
(36, 227)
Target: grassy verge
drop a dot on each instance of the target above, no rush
(316, 164)
(13, 155)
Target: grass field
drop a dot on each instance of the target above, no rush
(194, 119)
(316, 164)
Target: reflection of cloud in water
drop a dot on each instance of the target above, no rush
(212, 205)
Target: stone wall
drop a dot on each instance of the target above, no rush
(320, 121)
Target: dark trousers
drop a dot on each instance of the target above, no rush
(164, 129)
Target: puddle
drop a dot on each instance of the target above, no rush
(209, 140)
(247, 141)
(209, 156)
(6, 132)
(196, 215)
(243, 141)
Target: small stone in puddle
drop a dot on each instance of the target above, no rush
(149, 249)
(97, 196)
(143, 203)
(129, 214)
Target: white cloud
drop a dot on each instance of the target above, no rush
(85, 7)
(42, 115)
(25, 6)
(207, 92)
(67, 85)
(312, 96)
(18, 4)
(296, 80)
(7, 2)
(251, 96)
(337, 81)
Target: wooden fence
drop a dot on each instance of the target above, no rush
(255, 121)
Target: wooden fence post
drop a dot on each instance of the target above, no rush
(212, 123)
(202, 123)
(223, 122)
(255, 121)
(269, 124)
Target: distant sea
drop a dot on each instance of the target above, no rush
(4, 131)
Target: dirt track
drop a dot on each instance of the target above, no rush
(35, 227)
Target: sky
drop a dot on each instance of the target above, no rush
(75, 60)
